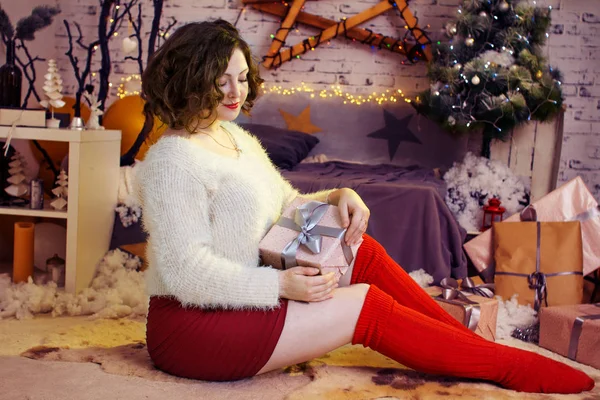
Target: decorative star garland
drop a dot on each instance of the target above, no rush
(292, 13)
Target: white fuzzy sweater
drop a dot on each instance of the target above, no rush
(205, 215)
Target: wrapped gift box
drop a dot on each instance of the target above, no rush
(557, 276)
(486, 326)
(572, 331)
(569, 202)
(332, 255)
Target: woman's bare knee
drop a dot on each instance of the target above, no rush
(362, 288)
(314, 329)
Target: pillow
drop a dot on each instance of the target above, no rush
(285, 148)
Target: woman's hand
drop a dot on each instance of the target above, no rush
(355, 214)
(303, 284)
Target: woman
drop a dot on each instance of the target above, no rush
(210, 193)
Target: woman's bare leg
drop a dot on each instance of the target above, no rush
(314, 329)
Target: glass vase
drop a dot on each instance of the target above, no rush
(11, 79)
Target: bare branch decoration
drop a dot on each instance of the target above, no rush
(80, 76)
(137, 27)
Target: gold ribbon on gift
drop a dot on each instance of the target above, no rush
(452, 295)
(306, 221)
(576, 332)
(537, 279)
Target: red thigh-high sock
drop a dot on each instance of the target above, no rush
(374, 266)
(422, 343)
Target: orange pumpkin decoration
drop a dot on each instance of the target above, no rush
(127, 115)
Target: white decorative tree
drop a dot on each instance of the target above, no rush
(61, 191)
(18, 181)
(53, 91)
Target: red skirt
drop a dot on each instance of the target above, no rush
(213, 345)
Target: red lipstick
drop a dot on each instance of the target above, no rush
(232, 106)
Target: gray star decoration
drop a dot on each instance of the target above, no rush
(395, 131)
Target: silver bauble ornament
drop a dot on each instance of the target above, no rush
(483, 14)
(451, 121)
(457, 66)
(470, 41)
(475, 80)
(451, 29)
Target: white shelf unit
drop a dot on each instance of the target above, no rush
(93, 188)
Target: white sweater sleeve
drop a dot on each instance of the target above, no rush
(180, 236)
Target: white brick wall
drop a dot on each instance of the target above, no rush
(357, 67)
(573, 47)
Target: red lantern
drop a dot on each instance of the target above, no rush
(494, 211)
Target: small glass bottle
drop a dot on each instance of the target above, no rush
(11, 79)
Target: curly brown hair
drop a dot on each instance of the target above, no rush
(180, 83)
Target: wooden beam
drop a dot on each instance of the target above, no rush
(332, 31)
(359, 34)
(283, 30)
(412, 24)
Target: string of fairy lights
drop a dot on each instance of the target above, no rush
(131, 86)
(337, 92)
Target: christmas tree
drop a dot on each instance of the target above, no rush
(61, 191)
(53, 91)
(490, 76)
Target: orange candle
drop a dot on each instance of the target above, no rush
(23, 251)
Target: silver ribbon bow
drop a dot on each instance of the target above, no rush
(537, 282)
(451, 294)
(311, 234)
(483, 290)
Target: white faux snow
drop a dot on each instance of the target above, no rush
(117, 291)
(475, 180)
(422, 278)
(513, 315)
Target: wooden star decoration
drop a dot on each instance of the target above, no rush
(395, 131)
(293, 13)
(300, 122)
